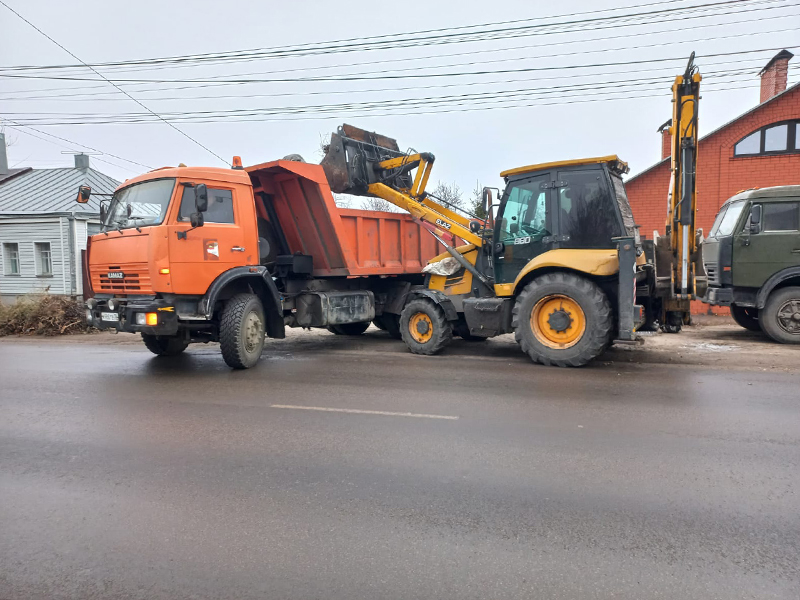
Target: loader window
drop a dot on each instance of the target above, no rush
(524, 214)
(220, 206)
(588, 214)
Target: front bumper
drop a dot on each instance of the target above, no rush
(718, 296)
(125, 310)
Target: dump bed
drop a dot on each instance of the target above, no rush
(342, 242)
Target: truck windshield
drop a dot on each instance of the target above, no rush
(140, 204)
(726, 219)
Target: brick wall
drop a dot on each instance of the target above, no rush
(720, 175)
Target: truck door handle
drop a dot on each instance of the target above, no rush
(237, 249)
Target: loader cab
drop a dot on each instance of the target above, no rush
(570, 204)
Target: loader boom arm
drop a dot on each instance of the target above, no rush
(362, 163)
(682, 199)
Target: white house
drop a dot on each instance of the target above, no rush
(43, 229)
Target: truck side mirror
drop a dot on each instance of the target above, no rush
(196, 219)
(84, 192)
(755, 218)
(103, 212)
(201, 197)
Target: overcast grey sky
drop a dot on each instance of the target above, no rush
(528, 110)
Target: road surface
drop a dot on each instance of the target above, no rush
(470, 475)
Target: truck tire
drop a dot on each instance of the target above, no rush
(424, 328)
(389, 323)
(164, 345)
(349, 328)
(241, 331)
(780, 317)
(562, 319)
(745, 317)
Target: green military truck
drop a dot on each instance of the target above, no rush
(752, 258)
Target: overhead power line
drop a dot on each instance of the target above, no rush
(458, 35)
(186, 135)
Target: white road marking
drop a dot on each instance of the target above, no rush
(366, 412)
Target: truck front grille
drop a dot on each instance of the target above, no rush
(135, 279)
(712, 270)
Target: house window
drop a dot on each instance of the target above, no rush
(777, 138)
(44, 258)
(11, 259)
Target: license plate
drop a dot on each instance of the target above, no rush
(109, 316)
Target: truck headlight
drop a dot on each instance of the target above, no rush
(141, 318)
(88, 316)
(112, 304)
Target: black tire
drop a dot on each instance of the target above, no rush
(164, 345)
(745, 317)
(390, 323)
(242, 331)
(462, 330)
(673, 323)
(590, 342)
(438, 333)
(349, 328)
(780, 317)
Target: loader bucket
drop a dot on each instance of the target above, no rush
(351, 159)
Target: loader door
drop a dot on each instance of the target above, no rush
(587, 214)
(523, 227)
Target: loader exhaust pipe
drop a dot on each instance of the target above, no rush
(352, 160)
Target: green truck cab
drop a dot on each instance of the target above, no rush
(752, 258)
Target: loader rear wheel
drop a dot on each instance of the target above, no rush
(241, 331)
(562, 319)
(164, 345)
(349, 328)
(780, 317)
(745, 317)
(424, 328)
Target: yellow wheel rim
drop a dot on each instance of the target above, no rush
(420, 327)
(558, 321)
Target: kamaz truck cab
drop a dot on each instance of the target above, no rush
(752, 258)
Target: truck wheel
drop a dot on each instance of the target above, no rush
(563, 320)
(241, 331)
(424, 328)
(164, 345)
(349, 328)
(745, 317)
(780, 317)
(389, 323)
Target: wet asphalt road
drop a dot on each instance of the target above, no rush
(128, 476)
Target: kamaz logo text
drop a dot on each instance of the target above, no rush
(116, 275)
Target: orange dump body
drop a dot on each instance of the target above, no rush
(342, 242)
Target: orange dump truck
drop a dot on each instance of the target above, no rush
(193, 254)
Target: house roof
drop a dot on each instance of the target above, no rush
(721, 127)
(42, 191)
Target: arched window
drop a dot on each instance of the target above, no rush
(777, 138)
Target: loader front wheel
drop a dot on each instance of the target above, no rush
(563, 320)
(424, 328)
(164, 345)
(241, 331)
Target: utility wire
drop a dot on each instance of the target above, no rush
(186, 135)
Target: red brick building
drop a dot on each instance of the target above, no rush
(760, 148)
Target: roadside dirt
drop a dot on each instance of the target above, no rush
(711, 341)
